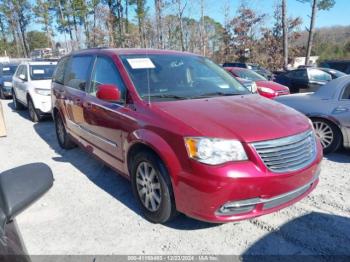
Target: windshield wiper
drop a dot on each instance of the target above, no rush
(166, 96)
(218, 94)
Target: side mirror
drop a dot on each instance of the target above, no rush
(22, 77)
(20, 187)
(108, 93)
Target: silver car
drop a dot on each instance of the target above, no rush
(329, 110)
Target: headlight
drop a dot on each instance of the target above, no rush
(7, 84)
(267, 90)
(43, 92)
(214, 151)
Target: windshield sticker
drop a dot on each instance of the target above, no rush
(141, 63)
(6, 69)
(38, 71)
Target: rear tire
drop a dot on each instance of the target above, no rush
(152, 187)
(328, 133)
(33, 113)
(16, 103)
(64, 140)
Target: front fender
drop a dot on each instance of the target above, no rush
(158, 145)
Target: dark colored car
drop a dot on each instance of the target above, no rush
(255, 67)
(303, 79)
(188, 135)
(19, 188)
(264, 87)
(6, 72)
(341, 65)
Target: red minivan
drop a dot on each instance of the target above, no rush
(190, 137)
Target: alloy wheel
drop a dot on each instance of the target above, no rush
(148, 186)
(324, 132)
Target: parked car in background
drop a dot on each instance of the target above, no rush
(329, 110)
(255, 67)
(303, 79)
(264, 87)
(188, 135)
(341, 65)
(19, 188)
(6, 72)
(31, 88)
(334, 73)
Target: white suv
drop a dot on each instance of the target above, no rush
(31, 88)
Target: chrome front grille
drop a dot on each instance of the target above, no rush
(287, 154)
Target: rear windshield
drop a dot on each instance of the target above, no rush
(8, 70)
(41, 72)
(171, 77)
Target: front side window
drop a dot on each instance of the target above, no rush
(41, 72)
(318, 75)
(78, 71)
(171, 77)
(300, 74)
(105, 72)
(346, 93)
(20, 70)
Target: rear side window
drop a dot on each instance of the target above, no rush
(346, 93)
(58, 75)
(105, 72)
(78, 72)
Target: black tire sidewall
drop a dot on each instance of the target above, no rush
(35, 118)
(167, 208)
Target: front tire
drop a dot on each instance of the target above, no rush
(328, 133)
(152, 187)
(16, 103)
(33, 113)
(64, 140)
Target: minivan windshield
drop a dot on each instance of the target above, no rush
(175, 77)
(41, 72)
(249, 75)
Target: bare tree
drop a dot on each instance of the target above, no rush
(158, 7)
(316, 5)
(285, 34)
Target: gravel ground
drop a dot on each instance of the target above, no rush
(91, 210)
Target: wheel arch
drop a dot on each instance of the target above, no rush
(335, 122)
(148, 140)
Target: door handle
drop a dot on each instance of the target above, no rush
(340, 109)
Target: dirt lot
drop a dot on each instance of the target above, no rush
(91, 210)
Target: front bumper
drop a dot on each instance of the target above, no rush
(247, 185)
(42, 103)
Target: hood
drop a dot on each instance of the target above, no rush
(247, 118)
(44, 84)
(273, 85)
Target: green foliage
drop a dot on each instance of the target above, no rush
(37, 39)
